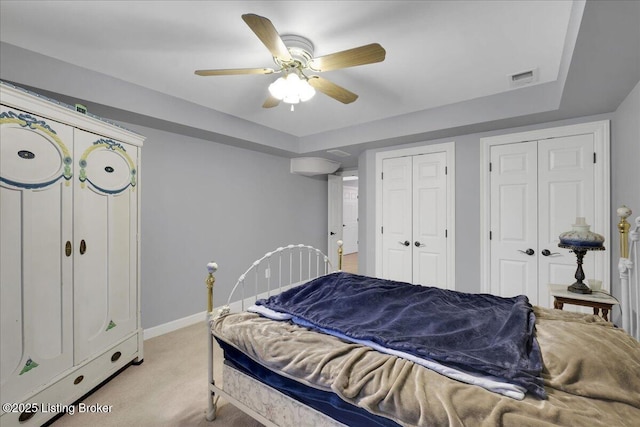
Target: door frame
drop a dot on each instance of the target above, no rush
(601, 223)
(332, 250)
(334, 205)
(449, 149)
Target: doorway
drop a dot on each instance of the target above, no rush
(350, 223)
(343, 219)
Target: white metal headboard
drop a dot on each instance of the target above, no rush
(287, 266)
(294, 256)
(629, 277)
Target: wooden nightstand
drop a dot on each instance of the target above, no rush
(597, 300)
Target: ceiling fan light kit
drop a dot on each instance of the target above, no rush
(293, 55)
(291, 89)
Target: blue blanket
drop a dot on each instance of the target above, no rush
(480, 333)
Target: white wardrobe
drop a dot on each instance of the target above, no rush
(69, 228)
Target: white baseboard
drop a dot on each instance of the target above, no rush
(174, 325)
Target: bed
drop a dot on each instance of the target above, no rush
(287, 362)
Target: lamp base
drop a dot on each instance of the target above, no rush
(579, 288)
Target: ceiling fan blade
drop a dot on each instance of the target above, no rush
(271, 102)
(234, 71)
(333, 90)
(266, 32)
(362, 55)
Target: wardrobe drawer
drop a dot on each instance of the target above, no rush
(46, 403)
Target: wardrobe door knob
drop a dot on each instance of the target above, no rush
(83, 247)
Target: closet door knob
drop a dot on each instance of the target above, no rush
(528, 251)
(547, 252)
(419, 245)
(405, 243)
(83, 247)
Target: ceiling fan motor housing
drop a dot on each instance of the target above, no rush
(300, 48)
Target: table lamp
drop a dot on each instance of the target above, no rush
(579, 240)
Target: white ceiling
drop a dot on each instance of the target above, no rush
(439, 53)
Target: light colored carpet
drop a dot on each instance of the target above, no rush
(168, 389)
(350, 263)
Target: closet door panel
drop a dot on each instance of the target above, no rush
(397, 219)
(429, 220)
(566, 191)
(35, 272)
(105, 220)
(514, 219)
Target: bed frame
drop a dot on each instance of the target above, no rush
(259, 400)
(629, 277)
(301, 264)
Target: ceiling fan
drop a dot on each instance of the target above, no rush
(293, 56)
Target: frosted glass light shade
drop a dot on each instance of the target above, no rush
(291, 89)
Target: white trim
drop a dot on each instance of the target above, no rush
(236, 307)
(601, 135)
(174, 325)
(449, 149)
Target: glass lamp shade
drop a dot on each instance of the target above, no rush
(579, 240)
(580, 235)
(291, 89)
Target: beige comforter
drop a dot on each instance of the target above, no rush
(591, 374)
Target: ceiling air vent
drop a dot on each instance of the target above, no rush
(338, 153)
(523, 78)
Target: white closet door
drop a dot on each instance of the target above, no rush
(565, 191)
(397, 217)
(430, 220)
(35, 272)
(105, 203)
(514, 218)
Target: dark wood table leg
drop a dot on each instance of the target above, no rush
(557, 304)
(605, 314)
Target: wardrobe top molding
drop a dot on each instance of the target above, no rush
(22, 99)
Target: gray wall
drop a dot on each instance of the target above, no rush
(207, 200)
(205, 196)
(204, 201)
(625, 162)
(467, 200)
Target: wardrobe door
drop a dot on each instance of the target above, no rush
(105, 221)
(397, 217)
(35, 258)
